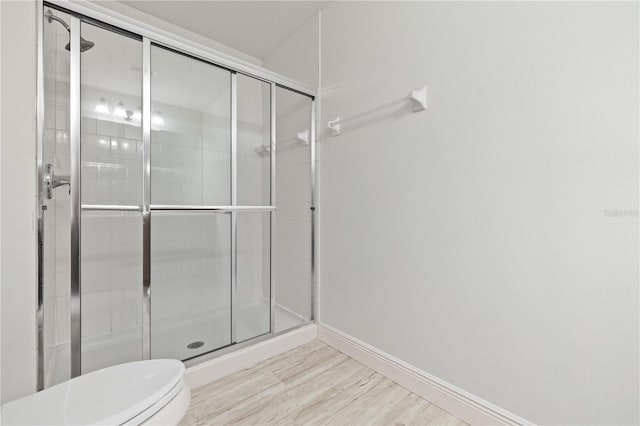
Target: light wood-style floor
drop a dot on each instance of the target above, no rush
(313, 385)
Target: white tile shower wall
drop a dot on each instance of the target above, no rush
(190, 158)
(111, 163)
(111, 272)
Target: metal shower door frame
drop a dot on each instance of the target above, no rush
(78, 13)
(75, 313)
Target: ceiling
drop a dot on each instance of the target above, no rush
(253, 27)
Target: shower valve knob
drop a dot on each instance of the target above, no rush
(52, 182)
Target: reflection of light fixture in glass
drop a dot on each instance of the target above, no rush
(120, 111)
(137, 115)
(103, 106)
(157, 119)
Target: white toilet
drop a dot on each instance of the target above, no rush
(152, 392)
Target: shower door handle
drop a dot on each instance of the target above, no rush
(52, 182)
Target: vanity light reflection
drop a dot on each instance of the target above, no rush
(102, 107)
(105, 107)
(120, 110)
(157, 119)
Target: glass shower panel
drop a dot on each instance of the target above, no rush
(292, 239)
(111, 175)
(208, 227)
(254, 139)
(111, 137)
(190, 283)
(253, 296)
(111, 306)
(190, 131)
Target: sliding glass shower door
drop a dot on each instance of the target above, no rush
(110, 192)
(158, 205)
(209, 204)
(190, 173)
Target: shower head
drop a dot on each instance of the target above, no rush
(84, 44)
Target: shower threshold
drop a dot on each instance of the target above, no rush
(125, 345)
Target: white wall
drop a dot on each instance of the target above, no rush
(297, 56)
(17, 180)
(478, 240)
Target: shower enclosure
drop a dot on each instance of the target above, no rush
(160, 232)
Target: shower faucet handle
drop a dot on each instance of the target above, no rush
(52, 182)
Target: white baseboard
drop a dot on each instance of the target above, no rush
(201, 374)
(462, 404)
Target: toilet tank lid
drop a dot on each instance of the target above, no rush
(112, 395)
